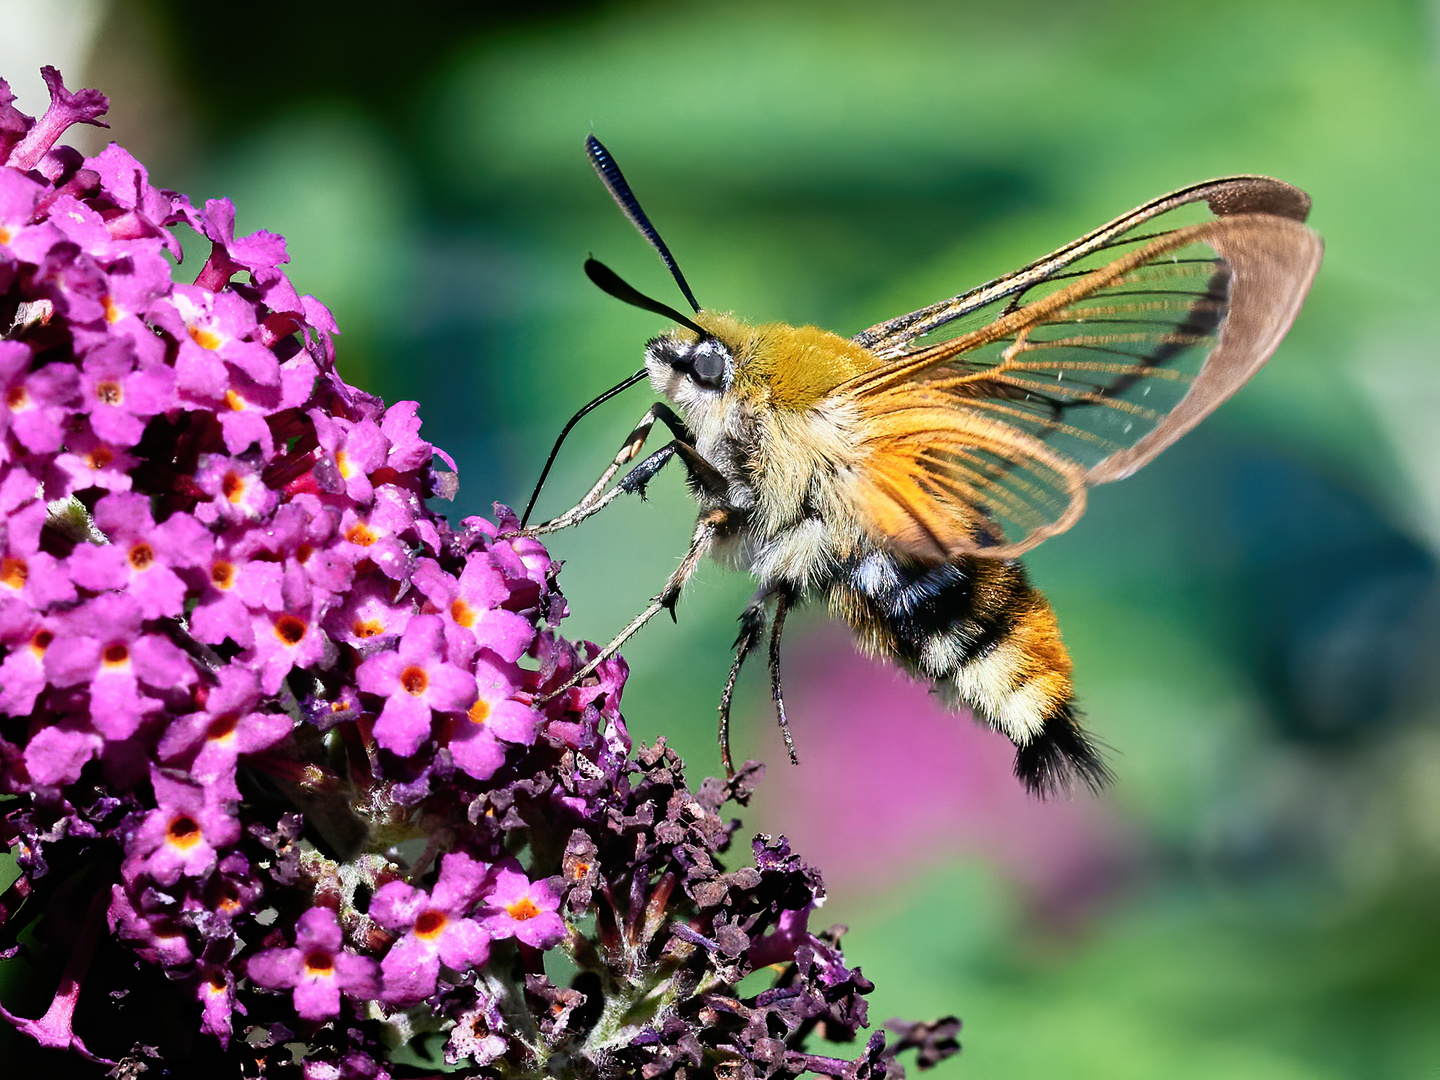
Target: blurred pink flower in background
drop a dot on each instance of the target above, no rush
(890, 784)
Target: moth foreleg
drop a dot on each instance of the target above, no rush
(702, 474)
(598, 497)
(629, 450)
(710, 524)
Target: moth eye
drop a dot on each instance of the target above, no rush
(709, 368)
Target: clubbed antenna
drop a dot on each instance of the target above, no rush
(614, 181)
(612, 283)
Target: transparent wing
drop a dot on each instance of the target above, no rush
(1074, 371)
(1199, 202)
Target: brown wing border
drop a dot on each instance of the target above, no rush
(1240, 194)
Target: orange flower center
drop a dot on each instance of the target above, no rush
(319, 962)
(342, 462)
(360, 533)
(522, 909)
(222, 727)
(222, 574)
(366, 628)
(234, 400)
(183, 831)
(141, 556)
(224, 896)
(480, 711)
(41, 641)
(17, 398)
(290, 629)
(233, 486)
(430, 924)
(462, 613)
(414, 680)
(99, 457)
(116, 655)
(109, 392)
(14, 572)
(112, 313)
(204, 338)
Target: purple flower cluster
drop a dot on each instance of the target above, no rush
(285, 734)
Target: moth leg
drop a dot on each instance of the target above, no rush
(597, 497)
(784, 599)
(701, 474)
(752, 630)
(710, 524)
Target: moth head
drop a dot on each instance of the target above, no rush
(689, 369)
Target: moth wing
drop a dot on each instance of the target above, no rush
(1210, 199)
(1078, 369)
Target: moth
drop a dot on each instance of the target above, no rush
(899, 473)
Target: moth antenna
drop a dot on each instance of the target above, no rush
(614, 181)
(609, 281)
(613, 284)
(555, 450)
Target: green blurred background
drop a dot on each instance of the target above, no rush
(1254, 618)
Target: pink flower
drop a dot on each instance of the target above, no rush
(22, 672)
(236, 489)
(284, 640)
(88, 461)
(370, 618)
(215, 990)
(376, 535)
(523, 909)
(120, 396)
(470, 608)
(215, 331)
(437, 928)
(234, 589)
(355, 451)
(210, 742)
(142, 557)
(100, 645)
(318, 967)
(36, 404)
(415, 681)
(182, 836)
(57, 753)
(477, 743)
(27, 574)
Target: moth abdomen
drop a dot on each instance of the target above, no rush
(1060, 755)
(984, 637)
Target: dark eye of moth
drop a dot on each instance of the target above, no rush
(709, 367)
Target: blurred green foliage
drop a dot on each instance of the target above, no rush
(1252, 617)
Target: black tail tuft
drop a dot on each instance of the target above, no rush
(1052, 762)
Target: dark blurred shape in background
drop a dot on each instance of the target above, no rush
(1255, 617)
